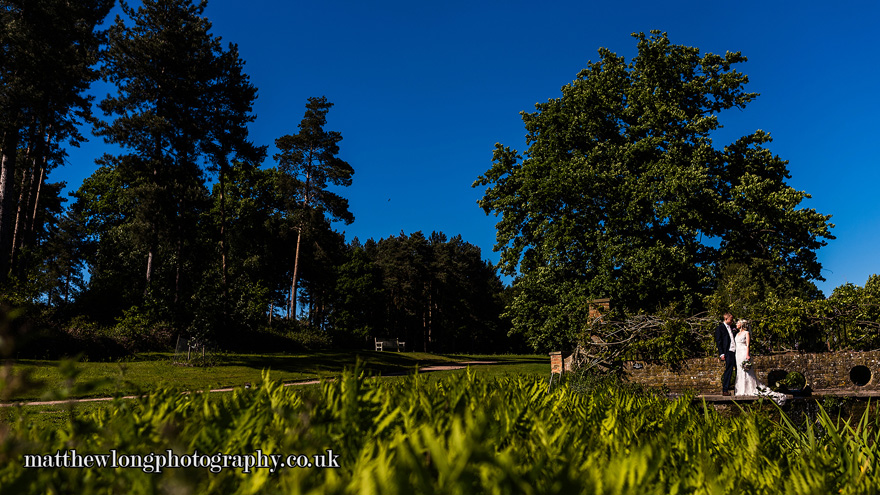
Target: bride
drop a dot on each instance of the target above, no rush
(746, 382)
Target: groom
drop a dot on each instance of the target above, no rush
(726, 350)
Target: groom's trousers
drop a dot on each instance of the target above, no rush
(729, 365)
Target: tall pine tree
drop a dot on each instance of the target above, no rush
(309, 166)
(48, 49)
(182, 106)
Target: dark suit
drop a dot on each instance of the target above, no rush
(722, 341)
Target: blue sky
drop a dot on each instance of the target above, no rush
(424, 90)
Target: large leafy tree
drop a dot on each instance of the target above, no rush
(623, 194)
(309, 163)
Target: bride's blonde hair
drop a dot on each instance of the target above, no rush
(744, 323)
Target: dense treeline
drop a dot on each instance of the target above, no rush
(433, 292)
(186, 230)
(48, 52)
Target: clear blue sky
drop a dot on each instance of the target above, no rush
(423, 91)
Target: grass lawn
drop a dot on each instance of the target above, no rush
(145, 372)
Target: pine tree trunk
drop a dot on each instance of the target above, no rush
(39, 169)
(223, 246)
(39, 186)
(426, 318)
(291, 307)
(7, 177)
(149, 274)
(20, 211)
(178, 261)
(157, 159)
(223, 249)
(30, 191)
(430, 312)
(177, 264)
(67, 287)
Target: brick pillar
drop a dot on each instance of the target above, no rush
(556, 362)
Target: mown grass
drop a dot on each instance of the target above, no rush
(150, 371)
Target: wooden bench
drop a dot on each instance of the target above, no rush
(389, 344)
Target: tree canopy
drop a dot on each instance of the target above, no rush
(622, 193)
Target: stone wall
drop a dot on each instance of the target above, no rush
(849, 371)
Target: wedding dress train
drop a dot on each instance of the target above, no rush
(746, 382)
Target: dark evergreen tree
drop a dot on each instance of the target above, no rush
(48, 49)
(309, 163)
(61, 257)
(465, 299)
(405, 264)
(231, 98)
(182, 106)
(50, 262)
(358, 309)
(324, 248)
(257, 239)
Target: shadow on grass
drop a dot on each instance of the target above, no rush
(331, 362)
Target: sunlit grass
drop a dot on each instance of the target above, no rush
(150, 371)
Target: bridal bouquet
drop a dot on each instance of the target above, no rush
(747, 365)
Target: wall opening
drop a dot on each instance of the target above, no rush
(860, 375)
(776, 378)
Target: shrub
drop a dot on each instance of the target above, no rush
(136, 331)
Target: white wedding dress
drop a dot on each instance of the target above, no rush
(746, 382)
